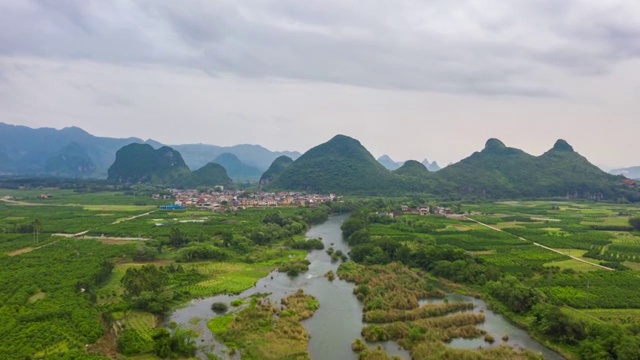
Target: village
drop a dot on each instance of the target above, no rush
(233, 200)
(237, 199)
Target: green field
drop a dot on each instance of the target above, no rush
(59, 293)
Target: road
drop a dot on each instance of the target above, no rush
(544, 247)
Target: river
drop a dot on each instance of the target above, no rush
(338, 320)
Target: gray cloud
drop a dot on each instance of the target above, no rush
(489, 47)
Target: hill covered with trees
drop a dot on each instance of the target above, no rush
(344, 166)
(141, 163)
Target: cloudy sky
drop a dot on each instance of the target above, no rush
(408, 78)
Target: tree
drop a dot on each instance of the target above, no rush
(635, 222)
(176, 238)
(145, 278)
(37, 227)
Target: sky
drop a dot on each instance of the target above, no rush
(413, 79)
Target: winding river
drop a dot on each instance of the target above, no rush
(338, 321)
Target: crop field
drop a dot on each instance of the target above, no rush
(59, 291)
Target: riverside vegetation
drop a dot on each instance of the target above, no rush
(577, 307)
(109, 287)
(106, 289)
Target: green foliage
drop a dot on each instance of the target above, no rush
(277, 167)
(141, 163)
(341, 165)
(635, 223)
(147, 278)
(518, 297)
(219, 307)
(180, 343)
(412, 168)
(212, 174)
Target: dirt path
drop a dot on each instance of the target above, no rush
(29, 249)
(544, 247)
(132, 218)
(23, 203)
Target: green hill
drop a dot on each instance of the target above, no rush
(412, 168)
(141, 163)
(340, 165)
(72, 160)
(277, 167)
(499, 171)
(236, 169)
(343, 165)
(211, 174)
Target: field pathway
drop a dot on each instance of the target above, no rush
(132, 218)
(543, 246)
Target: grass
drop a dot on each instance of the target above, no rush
(571, 264)
(37, 296)
(142, 323)
(622, 316)
(220, 324)
(265, 330)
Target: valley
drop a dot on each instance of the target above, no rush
(532, 261)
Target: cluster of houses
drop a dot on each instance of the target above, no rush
(236, 199)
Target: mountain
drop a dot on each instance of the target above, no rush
(141, 163)
(211, 174)
(25, 151)
(340, 165)
(277, 167)
(389, 163)
(412, 168)
(197, 155)
(29, 150)
(630, 172)
(236, 169)
(72, 161)
(343, 165)
(433, 167)
(499, 171)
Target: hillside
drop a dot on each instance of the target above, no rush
(412, 168)
(28, 150)
(71, 161)
(340, 165)
(277, 167)
(198, 155)
(211, 174)
(141, 163)
(499, 171)
(630, 172)
(389, 163)
(431, 166)
(236, 169)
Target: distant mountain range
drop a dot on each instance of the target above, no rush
(630, 172)
(73, 152)
(142, 164)
(343, 165)
(390, 164)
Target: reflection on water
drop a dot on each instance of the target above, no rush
(338, 321)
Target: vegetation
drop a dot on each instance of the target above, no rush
(277, 167)
(60, 293)
(516, 276)
(141, 163)
(343, 165)
(264, 330)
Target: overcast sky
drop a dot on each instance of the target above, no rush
(408, 78)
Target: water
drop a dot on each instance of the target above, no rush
(497, 326)
(338, 321)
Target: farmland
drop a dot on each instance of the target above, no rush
(70, 265)
(104, 268)
(532, 260)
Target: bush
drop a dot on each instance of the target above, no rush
(219, 307)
